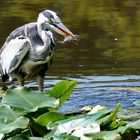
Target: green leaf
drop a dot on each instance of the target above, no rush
(37, 129)
(20, 122)
(113, 114)
(62, 90)
(35, 138)
(104, 135)
(25, 137)
(113, 125)
(122, 123)
(110, 118)
(61, 137)
(10, 120)
(25, 100)
(49, 117)
(80, 125)
(117, 133)
(92, 117)
(131, 125)
(5, 112)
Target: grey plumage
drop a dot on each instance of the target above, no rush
(28, 51)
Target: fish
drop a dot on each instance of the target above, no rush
(70, 38)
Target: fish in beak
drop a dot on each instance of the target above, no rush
(63, 30)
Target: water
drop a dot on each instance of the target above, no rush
(105, 61)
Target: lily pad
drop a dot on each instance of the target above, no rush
(10, 120)
(79, 125)
(25, 100)
(104, 135)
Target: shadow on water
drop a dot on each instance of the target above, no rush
(107, 56)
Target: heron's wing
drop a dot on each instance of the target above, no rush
(13, 53)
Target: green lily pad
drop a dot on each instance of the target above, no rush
(25, 100)
(104, 135)
(79, 125)
(10, 120)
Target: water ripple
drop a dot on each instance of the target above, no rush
(105, 90)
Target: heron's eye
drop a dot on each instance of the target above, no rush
(52, 21)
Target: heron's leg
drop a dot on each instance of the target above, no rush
(21, 81)
(40, 81)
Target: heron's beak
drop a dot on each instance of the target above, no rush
(63, 30)
(60, 28)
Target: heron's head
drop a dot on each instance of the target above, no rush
(49, 20)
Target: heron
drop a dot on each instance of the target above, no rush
(29, 50)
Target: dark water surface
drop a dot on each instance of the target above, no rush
(107, 58)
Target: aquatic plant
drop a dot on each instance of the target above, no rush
(28, 114)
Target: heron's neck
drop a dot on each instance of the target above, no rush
(42, 34)
(46, 36)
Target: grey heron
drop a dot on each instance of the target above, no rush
(28, 51)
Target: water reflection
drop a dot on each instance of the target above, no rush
(109, 39)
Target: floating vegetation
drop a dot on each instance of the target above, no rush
(28, 114)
